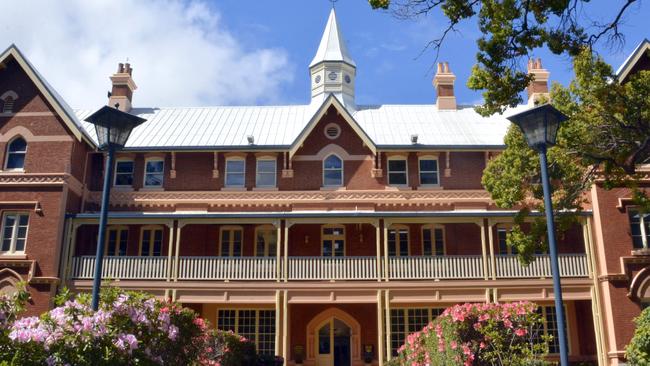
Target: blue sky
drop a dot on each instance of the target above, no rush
(233, 52)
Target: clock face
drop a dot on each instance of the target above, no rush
(347, 79)
(332, 75)
(317, 79)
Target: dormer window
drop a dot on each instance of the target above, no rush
(16, 152)
(8, 105)
(332, 171)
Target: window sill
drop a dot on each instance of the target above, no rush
(234, 189)
(151, 189)
(13, 256)
(123, 188)
(429, 188)
(13, 171)
(265, 188)
(398, 188)
(333, 189)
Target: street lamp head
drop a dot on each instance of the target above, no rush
(539, 125)
(113, 126)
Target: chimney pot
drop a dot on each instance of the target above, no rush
(120, 68)
(121, 94)
(444, 84)
(538, 87)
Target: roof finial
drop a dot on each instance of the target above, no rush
(333, 2)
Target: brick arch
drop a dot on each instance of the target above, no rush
(640, 286)
(9, 281)
(17, 131)
(349, 320)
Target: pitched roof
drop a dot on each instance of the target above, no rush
(332, 46)
(280, 127)
(632, 59)
(58, 103)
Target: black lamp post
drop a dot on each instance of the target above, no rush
(540, 126)
(113, 128)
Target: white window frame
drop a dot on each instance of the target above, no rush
(397, 229)
(429, 157)
(118, 229)
(152, 239)
(115, 173)
(404, 311)
(267, 250)
(258, 325)
(231, 242)
(14, 232)
(7, 153)
(433, 228)
(405, 171)
(227, 173)
(332, 238)
(503, 228)
(257, 171)
(342, 169)
(144, 181)
(644, 235)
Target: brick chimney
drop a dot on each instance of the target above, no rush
(538, 87)
(444, 84)
(123, 87)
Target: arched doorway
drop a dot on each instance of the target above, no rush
(336, 332)
(333, 344)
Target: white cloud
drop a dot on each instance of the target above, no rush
(181, 52)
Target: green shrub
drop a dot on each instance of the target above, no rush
(638, 351)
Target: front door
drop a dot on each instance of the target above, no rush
(333, 344)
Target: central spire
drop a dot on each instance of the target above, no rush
(333, 70)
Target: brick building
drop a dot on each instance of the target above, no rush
(324, 232)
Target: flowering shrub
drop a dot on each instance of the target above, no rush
(130, 328)
(479, 334)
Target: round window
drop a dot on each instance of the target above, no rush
(332, 131)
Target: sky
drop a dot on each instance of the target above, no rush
(234, 52)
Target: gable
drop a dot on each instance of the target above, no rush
(637, 61)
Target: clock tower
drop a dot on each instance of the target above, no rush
(333, 70)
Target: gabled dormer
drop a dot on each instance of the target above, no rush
(333, 71)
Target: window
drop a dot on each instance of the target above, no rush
(433, 240)
(235, 172)
(16, 152)
(231, 242)
(502, 240)
(116, 239)
(266, 241)
(332, 131)
(123, 173)
(428, 171)
(333, 241)
(398, 242)
(151, 242)
(332, 171)
(154, 173)
(265, 173)
(8, 105)
(409, 320)
(397, 172)
(14, 232)
(640, 229)
(549, 328)
(258, 326)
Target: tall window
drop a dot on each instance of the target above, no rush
(258, 326)
(151, 242)
(14, 232)
(266, 241)
(154, 173)
(332, 171)
(16, 152)
(502, 240)
(549, 328)
(265, 172)
(397, 171)
(8, 105)
(409, 320)
(231, 242)
(428, 171)
(117, 238)
(398, 242)
(433, 240)
(640, 229)
(333, 241)
(235, 172)
(124, 173)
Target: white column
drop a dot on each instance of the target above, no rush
(278, 249)
(72, 247)
(286, 251)
(179, 228)
(486, 266)
(170, 245)
(493, 260)
(277, 321)
(380, 329)
(388, 330)
(378, 245)
(386, 274)
(285, 326)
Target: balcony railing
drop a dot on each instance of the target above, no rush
(333, 268)
(435, 268)
(320, 268)
(571, 265)
(127, 268)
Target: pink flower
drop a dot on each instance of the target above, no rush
(520, 332)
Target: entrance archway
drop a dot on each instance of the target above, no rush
(333, 339)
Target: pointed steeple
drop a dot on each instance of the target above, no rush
(333, 70)
(332, 46)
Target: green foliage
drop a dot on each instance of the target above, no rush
(638, 351)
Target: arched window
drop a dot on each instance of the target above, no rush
(332, 171)
(8, 105)
(16, 154)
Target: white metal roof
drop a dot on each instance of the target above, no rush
(332, 46)
(279, 126)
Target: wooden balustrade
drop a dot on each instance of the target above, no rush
(331, 268)
(571, 265)
(435, 268)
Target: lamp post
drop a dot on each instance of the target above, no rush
(539, 126)
(113, 128)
